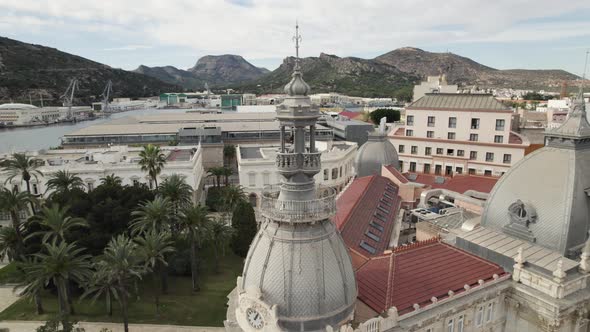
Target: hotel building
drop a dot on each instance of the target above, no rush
(448, 134)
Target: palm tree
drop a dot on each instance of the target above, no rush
(60, 264)
(124, 266)
(14, 202)
(229, 153)
(177, 191)
(111, 181)
(231, 196)
(23, 166)
(221, 234)
(153, 247)
(152, 161)
(102, 283)
(217, 172)
(30, 286)
(63, 182)
(57, 222)
(152, 215)
(226, 172)
(195, 223)
(9, 243)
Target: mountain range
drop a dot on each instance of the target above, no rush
(28, 71)
(215, 70)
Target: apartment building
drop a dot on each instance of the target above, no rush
(448, 134)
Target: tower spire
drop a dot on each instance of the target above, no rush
(297, 39)
(297, 86)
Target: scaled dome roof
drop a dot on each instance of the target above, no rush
(376, 152)
(544, 197)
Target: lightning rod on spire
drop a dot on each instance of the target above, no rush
(297, 39)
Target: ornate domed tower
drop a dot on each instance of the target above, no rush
(298, 274)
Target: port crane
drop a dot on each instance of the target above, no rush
(68, 97)
(106, 94)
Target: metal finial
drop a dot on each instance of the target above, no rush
(297, 39)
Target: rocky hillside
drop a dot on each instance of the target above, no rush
(216, 70)
(464, 71)
(28, 69)
(354, 76)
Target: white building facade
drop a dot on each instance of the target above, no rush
(448, 134)
(257, 169)
(93, 164)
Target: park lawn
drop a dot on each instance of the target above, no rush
(179, 307)
(8, 274)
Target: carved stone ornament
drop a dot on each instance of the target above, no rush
(521, 216)
(254, 315)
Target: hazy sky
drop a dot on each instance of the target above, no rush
(126, 33)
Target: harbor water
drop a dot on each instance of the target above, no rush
(36, 138)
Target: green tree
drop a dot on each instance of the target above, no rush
(60, 264)
(194, 223)
(177, 191)
(57, 223)
(153, 247)
(217, 172)
(152, 161)
(24, 166)
(30, 286)
(227, 172)
(405, 93)
(231, 196)
(391, 115)
(221, 234)
(229, 153)
(150, 215)
(63, 182)
(9, 243)
(245, 226)
(111, 181)
(125, 266)
(102, 283)
(14, 202)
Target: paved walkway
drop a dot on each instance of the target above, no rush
(30, 326)
(7, 297)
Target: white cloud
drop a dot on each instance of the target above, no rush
(128, 48)
(263, 28)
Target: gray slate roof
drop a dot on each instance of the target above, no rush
(507, 246)
(458, 101)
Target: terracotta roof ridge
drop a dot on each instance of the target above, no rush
(415, 245)
(390, 279)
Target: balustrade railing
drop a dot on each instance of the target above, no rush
(298, 211)
(294, 161)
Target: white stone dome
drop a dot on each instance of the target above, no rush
(306, 271)
(544, 198)
(376, 152)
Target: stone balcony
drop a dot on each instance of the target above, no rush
(291, 163)
(323, 207)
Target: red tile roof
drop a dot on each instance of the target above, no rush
(414, 275)
(349, 114)
(458, 183)
(366, 212)
(514, 138)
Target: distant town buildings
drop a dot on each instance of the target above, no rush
(25, 114)
(434, 84)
